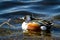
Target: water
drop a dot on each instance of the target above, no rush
(19, 8)
(16, 33)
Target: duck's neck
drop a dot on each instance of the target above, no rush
(28, 19)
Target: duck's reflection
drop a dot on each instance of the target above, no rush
(38, 33)
(42, 35)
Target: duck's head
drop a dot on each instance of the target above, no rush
(27, 18)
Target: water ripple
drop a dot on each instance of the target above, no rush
(49, 7)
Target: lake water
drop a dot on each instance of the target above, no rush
(17, 34)
(49, 8)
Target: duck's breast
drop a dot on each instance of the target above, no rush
(24, 26)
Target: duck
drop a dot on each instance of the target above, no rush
(34, 26)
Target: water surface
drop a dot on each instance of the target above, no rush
(14, 8)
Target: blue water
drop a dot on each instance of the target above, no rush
(55, 32)
(50, 7)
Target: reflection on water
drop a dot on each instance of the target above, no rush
(10, 33)
(15, 33)
(30, 35)
(38, 36)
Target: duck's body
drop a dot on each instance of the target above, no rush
(27, 25)
(32, 26)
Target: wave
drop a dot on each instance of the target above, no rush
(21, 13)
(9, 4)
(37, 6)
